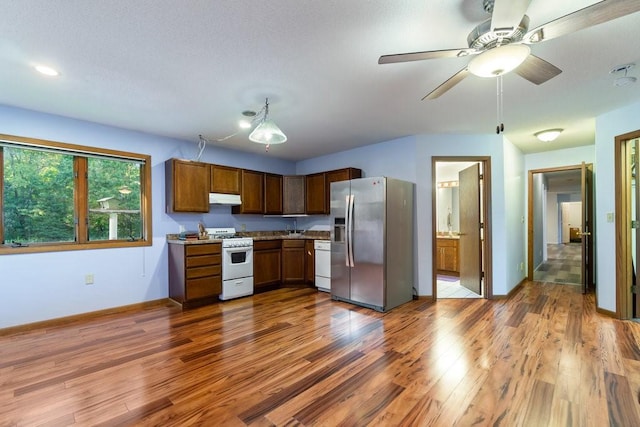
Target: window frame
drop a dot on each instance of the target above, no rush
(80, 196)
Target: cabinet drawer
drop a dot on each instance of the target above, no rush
(293, 243)
(205, 249)
(210, 270)
(199, 261)
(261, 245)
(203, 287)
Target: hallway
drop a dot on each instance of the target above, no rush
(563, 264)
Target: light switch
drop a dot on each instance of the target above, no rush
(609, 216)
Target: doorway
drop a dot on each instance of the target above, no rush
(627, 215)
(560, 215)
(461, 227)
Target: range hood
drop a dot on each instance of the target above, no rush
(224, 199)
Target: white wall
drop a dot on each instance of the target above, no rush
(515, 226)
(558, 158)
(539, 193)
(49, 285)
(608, 126)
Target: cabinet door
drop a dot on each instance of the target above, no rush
(187, 186)
(225, 179)
(447, 256)
(309, 262)
(315, 193)
(450, 258)
(272, 194)
(251, 193)
(335, 176)
(293, 194)
(266, 268)
(293, 261)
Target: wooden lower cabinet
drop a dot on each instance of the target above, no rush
(447, 261)
(195, 273)
(309, 262)
(267, 264)
(293, 257)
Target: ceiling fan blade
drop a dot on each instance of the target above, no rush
(430, 54)
(595, 14)
(453, 80)
(537, 70)
(507, 14)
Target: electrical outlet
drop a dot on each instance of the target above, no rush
(88, 279)
(522, 266)
(243, 227)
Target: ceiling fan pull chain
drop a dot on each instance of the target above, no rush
(500, 105)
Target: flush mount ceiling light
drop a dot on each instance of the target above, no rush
(500, 60)
(548, 135)
(267, 132)
(623, 80)
(47, 71)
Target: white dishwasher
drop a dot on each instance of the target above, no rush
(323, 264)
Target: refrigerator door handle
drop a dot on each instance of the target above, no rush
(350, 230)
(346, 224)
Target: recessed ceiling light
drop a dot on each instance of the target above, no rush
(47, 71)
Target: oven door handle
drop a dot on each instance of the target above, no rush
(240, 249)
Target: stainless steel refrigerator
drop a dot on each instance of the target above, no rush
(372, 242)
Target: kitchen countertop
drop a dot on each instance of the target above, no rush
(256, 235)
(446, 236)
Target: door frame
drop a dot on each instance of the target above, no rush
(486, 251)
(624, 269)
(530, 231)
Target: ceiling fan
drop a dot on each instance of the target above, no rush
(501, 42)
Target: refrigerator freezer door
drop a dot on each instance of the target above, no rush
(368, 220)
(340, 277)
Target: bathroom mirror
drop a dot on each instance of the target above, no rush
(448, 208)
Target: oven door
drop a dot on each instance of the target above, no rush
(237, 263)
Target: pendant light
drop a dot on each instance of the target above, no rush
(267, 132)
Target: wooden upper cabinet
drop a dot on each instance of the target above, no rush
(335, 176)
(186, 186)
(272, 194)
(315, 193)
(251, 193)
(293, 195)
(225, 179)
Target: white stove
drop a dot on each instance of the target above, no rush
(237, 263)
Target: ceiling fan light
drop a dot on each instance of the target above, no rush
(548, 135)
(267, 132)
(500, 60)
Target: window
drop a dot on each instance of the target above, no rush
(57, 196)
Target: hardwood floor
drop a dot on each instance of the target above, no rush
(543, 357)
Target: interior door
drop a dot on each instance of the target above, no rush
(586, 188)
(635, 231)
(470, 243)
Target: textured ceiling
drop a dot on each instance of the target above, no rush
(183, 68)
